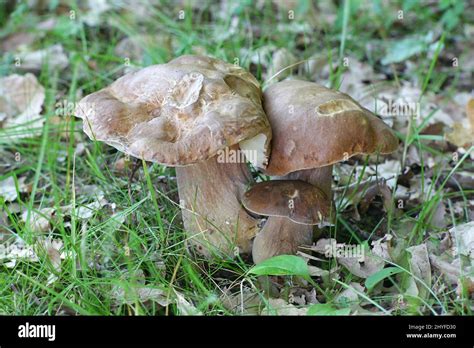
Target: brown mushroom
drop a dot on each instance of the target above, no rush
(292, 207)
(186, 114)
(314, 127)
(296, 200)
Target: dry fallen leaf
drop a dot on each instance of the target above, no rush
(131, 294)
(396, 104)
(350, 297)
(141, 294)
(420, 268)
(18, 249)
(382, 247)
(365, 269)
(52, 249)
(21, 101)
(17, 41)
(85, 211)
(53, 56)
(462, 134)
(278, 306)
(244, 302)
(8, 189)
(388, 170)
(4, 230)
(301, 297)
(11, 252)
(184, 306)
(439, 218)
(450, 271)
(360, 262)
(455, 260)
(463, 236)
(39, 221)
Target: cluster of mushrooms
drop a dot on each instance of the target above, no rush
(186, 112)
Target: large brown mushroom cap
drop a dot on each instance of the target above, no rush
(297, 200)
(179, 113)
(313, 126)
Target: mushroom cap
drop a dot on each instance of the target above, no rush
(179, 113)
(313, 126)
(297, 200)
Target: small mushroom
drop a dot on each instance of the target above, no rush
(314, 127)
(190, 113)
(292, 207)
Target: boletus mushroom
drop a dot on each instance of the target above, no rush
(202, 116)
(292, 207)
(314, 127)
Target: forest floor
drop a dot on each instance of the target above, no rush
(80, 234)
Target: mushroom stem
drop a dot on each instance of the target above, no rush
(210, 197)
(280, 236)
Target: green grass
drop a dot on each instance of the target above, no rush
(141, 242)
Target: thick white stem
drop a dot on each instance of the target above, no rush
(280, 236)
(213, 216)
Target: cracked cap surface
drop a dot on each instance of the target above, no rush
(179, 113)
